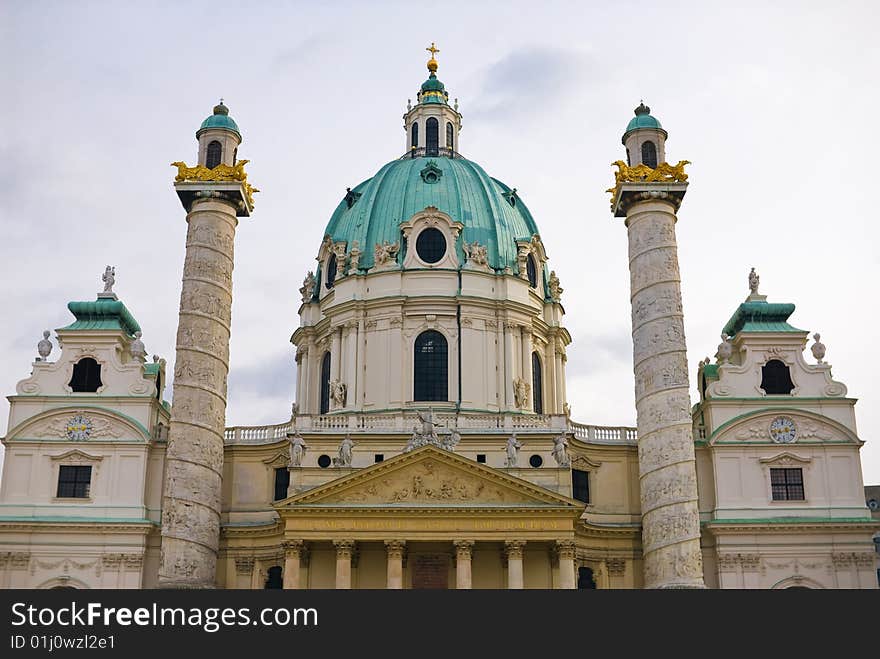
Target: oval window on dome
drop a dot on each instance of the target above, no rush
(431, 245)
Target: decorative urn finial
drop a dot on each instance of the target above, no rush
(725, 350)
(137, 349)
(818, 348)
(642, 109)
(44, 347)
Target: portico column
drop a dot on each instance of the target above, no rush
(513, 550)
(463, 552)
(344, 551)
(292, 555)
(395, 550)
(566, 552)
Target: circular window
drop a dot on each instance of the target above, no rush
(874, 505)
(331, 270)
(323, 461)
(536, 460)
(431, 245)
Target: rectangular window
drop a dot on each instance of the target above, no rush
(580, 485)
(481, 458)
(787, 484)
(282, 481)
(379, 457)
(74, 482)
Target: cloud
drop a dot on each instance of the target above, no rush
(525, 81)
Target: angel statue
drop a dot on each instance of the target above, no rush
(109, 278)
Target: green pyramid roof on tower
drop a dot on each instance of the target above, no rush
(755, 315)
(105, 313)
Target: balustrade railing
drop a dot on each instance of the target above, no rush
(406, 421)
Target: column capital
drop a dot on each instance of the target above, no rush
(565, 549)
(514, 548)
(244, 564)
(344, 548)
(463, 548)
(395, 548)
(294, 548)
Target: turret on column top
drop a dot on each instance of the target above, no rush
(219, 173)
(646, 174)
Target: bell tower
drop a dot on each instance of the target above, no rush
(215, 193)
(432, 126)
(648, 194)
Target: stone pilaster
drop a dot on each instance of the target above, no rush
(463, 555)
(670, 518)
(194, 457)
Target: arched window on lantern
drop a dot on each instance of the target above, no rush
(649, 154)
(325, 383)
(450, 136)
(776, 378)
(214, 156)
(86, 376)
(430, 367)
(414, 131)
(432, 136)
(537, 385)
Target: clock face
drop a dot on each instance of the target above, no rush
(79, 428)
(783, 430)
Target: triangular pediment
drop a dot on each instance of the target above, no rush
(429, 477)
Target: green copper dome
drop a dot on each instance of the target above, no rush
(492, 214)
(643, 119)
(220, 119)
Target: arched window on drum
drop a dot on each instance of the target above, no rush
(430, 367)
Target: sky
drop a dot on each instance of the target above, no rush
(769, 100)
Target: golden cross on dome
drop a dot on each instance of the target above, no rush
(432, 50)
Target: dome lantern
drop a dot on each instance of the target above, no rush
(218, 138)
(431, 125)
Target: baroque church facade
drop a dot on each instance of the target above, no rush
(430, 443)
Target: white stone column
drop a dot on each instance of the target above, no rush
(513, 551)
(551, 405)
(395, 550)
(509, 366)
(565, 551)
(526, 344)
(257, 579)
(336, 353)
(351, 338)
(358, 399)
(344, 551)
(560, 374)
(292, 564)
(463, 555)
(670, 518)
(194, 457)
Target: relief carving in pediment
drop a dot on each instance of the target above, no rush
(428, 481)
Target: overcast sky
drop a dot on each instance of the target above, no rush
(772, 102)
